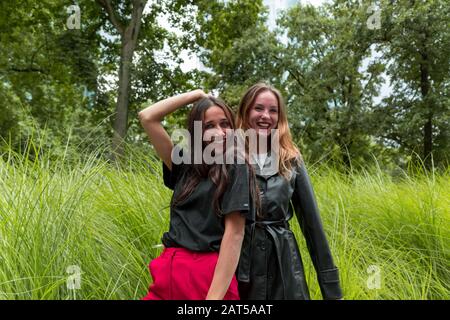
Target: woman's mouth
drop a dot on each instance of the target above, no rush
(263, 125)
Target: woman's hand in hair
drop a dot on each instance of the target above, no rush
(201, 94)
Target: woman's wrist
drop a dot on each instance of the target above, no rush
(211, 296)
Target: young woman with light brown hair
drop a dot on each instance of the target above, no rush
(271, 266)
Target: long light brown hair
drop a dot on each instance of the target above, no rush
(218, 173)
(288, 152)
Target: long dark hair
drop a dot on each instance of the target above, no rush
(218, 173)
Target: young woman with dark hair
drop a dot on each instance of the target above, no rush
(210, 206)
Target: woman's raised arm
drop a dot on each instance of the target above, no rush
(152, 116)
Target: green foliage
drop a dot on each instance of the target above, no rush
(327, 92)
(325, 60)
(331, 66)
(54, 214)
(45, 72)
(398, 225)
(61, 212)
(416, 48)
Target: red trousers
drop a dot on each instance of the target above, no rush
(181, 274)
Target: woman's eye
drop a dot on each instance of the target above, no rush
(258, 108)
(274, 110)
(209, 126)
(225, 124)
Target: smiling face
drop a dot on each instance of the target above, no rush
(263, 114)
(215, 124)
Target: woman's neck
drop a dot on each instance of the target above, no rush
(265, 149)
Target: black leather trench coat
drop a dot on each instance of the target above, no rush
(270, 266)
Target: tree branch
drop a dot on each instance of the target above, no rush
(136, 20)
(28, 69)
(365, 87)
(106, 4)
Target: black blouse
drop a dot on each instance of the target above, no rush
(194, 224)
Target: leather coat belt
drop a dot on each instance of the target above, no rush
(246, 254)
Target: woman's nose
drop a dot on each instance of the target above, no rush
(265, 115)
(223, 132)
(219, 131)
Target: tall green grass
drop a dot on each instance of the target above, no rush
(106, 220)
(398, 228)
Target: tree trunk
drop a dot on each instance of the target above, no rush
(428, 141)
(427, 103)
(128, 36)
(121, 119)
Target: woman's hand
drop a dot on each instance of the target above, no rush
(200, 93)
(230, 250)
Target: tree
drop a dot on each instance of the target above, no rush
(222, 31)
(59, 78)
(416, 49)
(45, 69)
(329, 93)
(127, 21)
(153, 72)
